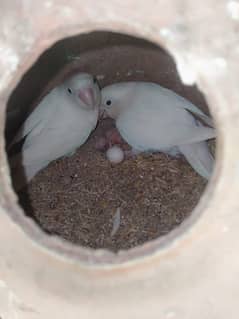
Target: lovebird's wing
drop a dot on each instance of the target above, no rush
(187, 105)
(154, 122)
(199, 157)
(37, 119)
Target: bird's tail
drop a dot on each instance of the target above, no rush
(199, 157)
(22, 174)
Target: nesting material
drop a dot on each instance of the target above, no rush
(77, 197)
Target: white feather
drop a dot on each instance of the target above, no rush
(58, 125)
(152, 118)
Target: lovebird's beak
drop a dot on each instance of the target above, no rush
(87, 96)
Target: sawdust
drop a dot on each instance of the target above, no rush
(77, 197)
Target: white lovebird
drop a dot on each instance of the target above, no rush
(60, 123)
(152, 118)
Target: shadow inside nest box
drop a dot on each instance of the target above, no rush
(77, 197)
(113, 57)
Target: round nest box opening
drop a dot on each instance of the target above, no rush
(84, 198)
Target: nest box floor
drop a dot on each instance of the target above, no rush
(77, 197)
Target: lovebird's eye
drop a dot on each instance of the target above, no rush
(69, 90)
(108, 102)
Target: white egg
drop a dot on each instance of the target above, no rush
(115, 154)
